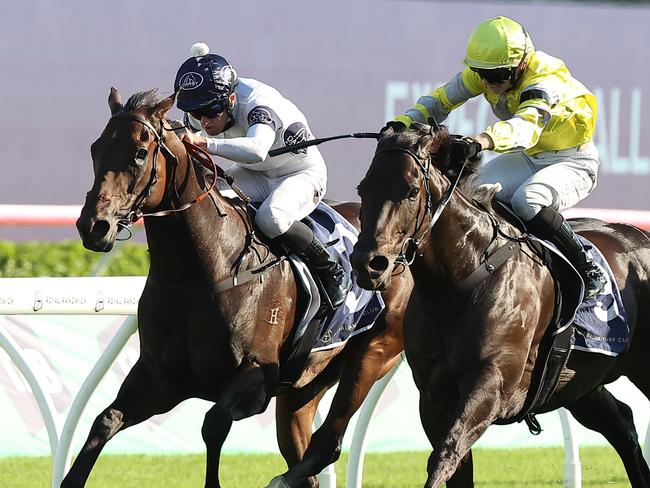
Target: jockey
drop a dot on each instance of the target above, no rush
(547, 119)
(241, 119)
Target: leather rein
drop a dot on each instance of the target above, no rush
(492, 258)
(203, 158)
(410, 245)
(195, 152)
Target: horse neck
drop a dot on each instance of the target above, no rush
(198, 245)
(457, 241)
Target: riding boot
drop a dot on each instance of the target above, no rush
(334, 281)
(549, 224)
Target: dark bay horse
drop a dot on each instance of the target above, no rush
(199, 338)
(472, 358)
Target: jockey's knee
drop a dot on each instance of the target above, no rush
(272, 221)
(527, 201)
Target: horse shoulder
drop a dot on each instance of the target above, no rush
(349, 211)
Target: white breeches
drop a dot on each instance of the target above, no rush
(285, 198)
(558, 179)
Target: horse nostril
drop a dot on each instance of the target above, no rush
(378, 263)
(99, 229)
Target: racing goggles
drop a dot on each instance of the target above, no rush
(210, 111)
(495, 76)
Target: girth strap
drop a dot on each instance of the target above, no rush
(245, 276)
(493, 262)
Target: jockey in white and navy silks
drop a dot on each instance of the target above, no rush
(242, 119)
(547, 119)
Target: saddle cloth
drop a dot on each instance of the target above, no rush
(601, 323)
(361, 307)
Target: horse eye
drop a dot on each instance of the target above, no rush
(413, 192)
(141, 156)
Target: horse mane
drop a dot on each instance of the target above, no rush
(440, 148)
(146, 99)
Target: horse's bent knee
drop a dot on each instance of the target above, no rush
(108, 423)
(249, 406)
(216, 426)
(247, 395)
(326, 445)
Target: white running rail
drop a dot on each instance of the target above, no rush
(79, 296)
(69, 296)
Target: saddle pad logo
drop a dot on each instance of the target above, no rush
(296, 133)
(190, 81)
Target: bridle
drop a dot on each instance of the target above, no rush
(409, 248)
(136, 209)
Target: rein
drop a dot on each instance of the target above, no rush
(412, 243)
(205, 160)
(492, 259)
(196, 152)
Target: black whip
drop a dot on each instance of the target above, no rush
(313, 142)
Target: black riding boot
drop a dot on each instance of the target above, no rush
(549, 224)
(333, 279)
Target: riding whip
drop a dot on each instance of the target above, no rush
(313, 142)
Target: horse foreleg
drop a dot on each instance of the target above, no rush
(367, 359)
(138, 399)
(216, 426)
(600, 411)
(246, 394)
(477, 407)
(294, 418)
(434, 419)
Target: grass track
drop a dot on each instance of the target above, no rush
(495, 468)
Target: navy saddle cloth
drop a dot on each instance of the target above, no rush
(361, 307)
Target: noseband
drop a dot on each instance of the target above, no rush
(410, 246)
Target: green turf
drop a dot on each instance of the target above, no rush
(495, 468)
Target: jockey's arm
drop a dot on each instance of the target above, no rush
(520, 132)
(252, 148)
(443, 100)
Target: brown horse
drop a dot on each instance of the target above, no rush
(198, 337)
(472, 359)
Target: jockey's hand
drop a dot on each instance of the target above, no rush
(485, 141)
(396, 125)
(195, 138)
(464, 147)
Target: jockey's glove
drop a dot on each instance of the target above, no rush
(396, 125)
(464, 147)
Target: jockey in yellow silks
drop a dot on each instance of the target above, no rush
(545, 129)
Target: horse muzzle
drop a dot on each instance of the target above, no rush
(97, 234)
(372, 270)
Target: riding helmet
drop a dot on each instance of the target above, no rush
(499, 42)
(203, 79)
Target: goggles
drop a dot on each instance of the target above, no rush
(210, 111)
(495, 76)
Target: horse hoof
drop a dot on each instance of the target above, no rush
(278, 482)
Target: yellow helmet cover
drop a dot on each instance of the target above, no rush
(499, 42)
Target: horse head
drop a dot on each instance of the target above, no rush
(130, 174)
(400, 196)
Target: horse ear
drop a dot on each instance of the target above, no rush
(115, 101)
(161, 109)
